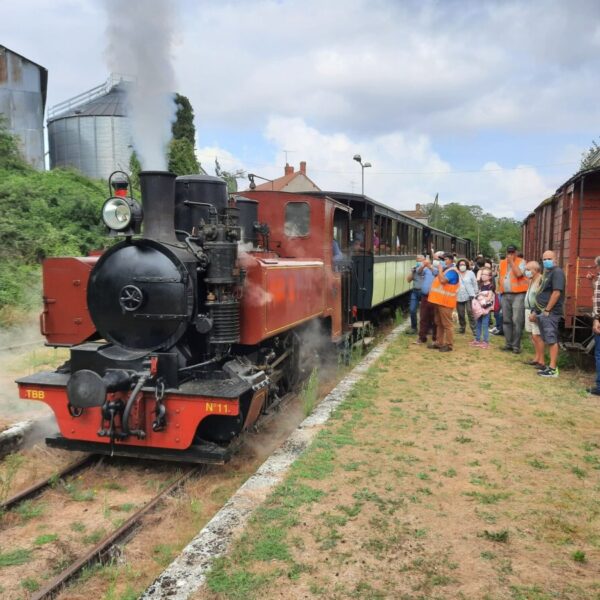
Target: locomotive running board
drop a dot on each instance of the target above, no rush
(205, 453)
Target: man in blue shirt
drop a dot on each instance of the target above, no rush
(416, 277)
(428, 271)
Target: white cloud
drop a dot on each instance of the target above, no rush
(406, 169)
(369, 67)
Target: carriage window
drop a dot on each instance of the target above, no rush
(394, 238)
(297, 219)
(377, 235)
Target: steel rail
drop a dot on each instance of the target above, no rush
(100, 550)
(37, 488)
(22, 345)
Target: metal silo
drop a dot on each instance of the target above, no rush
(23, 86)
(92, 132)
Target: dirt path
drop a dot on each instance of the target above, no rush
(461, 475)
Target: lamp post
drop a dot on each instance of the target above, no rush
(251, 177)
(363, 166)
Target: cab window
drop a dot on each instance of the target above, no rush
(297, 219)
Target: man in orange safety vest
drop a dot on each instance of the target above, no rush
(444, 290)
(512, 284)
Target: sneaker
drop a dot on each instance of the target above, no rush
(541, 367)
(445, 348)
(595, 391)
(484, 345)
(506, 349)
(494, 330)
(474, 343)
(548, 372)
(516, 350)
(498, 332)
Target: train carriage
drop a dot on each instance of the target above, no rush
(384, 244)
(569, 224)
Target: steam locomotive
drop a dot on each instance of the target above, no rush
(183, 335)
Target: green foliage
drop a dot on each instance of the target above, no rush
(15, 557)
(468, 221)
(10, 155)
(134, 170)
(590, 158)
(182, 157)
(183, 127)
(30, 584)
(310, 392)
(42, 214)
(230, 177)
(181, 154)
(44, 539)
(579, 556)
(13, 463)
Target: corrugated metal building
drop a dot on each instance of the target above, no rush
(92, 132)
(23, 86)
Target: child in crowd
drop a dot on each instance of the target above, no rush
(482, 305)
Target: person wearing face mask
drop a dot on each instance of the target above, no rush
(466, 292)
(512, 284)
(443, 293)
(534, 275)
(427, 310)
(549, 309)
(416, 277)
(482, 305)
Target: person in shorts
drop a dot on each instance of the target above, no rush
(533, 273)
(549, 309)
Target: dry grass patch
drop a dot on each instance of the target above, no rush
(441, 476)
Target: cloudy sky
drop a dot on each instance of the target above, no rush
(488, 103)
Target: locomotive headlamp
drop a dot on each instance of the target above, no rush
(121, 213)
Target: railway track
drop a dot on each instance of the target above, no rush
(37, 488)
(21, 345)
(102, 550)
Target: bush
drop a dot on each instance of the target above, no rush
(42, 214)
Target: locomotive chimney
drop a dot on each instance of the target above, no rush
(158, 203)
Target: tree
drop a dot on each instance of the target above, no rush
(182, 157)
(230, 177)
(472, 223)
(134, 169)
(181, 153)
(183, 126)
(591, 158)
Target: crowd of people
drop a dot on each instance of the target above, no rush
(519, 295)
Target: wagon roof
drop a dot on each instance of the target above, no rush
(559, 189)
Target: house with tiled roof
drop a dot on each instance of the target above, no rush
(419, 214)
(291, 181)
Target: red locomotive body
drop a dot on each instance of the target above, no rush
(197, 335)
(569, 224)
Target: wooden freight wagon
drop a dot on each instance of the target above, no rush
(569, 223)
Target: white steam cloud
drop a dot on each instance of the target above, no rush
(140, 37)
